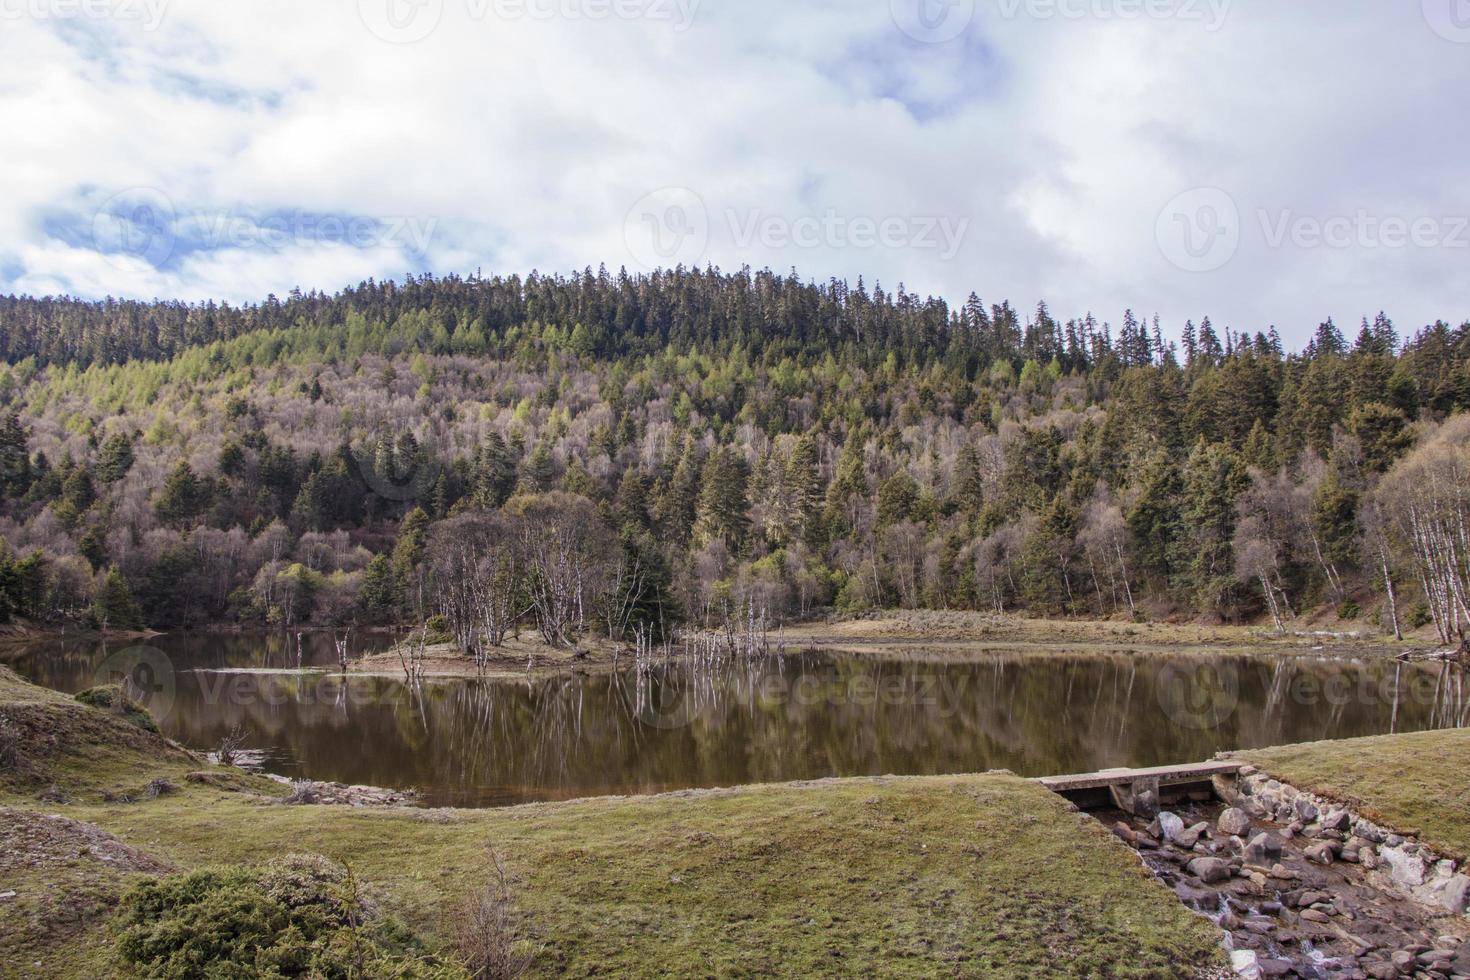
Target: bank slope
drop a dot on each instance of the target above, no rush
(967, 875)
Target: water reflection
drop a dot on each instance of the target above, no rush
(781, 718)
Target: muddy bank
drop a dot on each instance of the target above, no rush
(1303, 888)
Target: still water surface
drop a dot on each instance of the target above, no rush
(815, 714)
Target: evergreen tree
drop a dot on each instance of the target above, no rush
(115, 458)
(1154, 521)
(15, 460)
(721, 512)
(115, 608)
(183, 498)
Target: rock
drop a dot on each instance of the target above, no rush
(1234, 822)
(1452, 893)
(1403, 959)
(1246, 964)
(1320, 853)
(1338, 820)
(1275, 968)
(1312, 915)
(1368, 857)
(1379, 970)
(1282, 873)
(1170, 825)
(1306, 809)
(1253, 807)
(1210, 870)
(1263, 849)
(1407, 868)
(1195, 897)
(1190, 837)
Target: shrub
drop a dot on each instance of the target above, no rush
(1348, 610)
(486, 936)
(110, 697)
(438, 629)
(301, 916)
(9, 745)
(1418, 616)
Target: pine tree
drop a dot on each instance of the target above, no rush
(115, 607)
(1214, 479)
(721, 512)
(804, 487)
(115, 458)
(1154, 520)
(539, 473)
(631, 501)
(678, 507)
(378, 589)
(183, 498)
(15, 460)
(897, 498)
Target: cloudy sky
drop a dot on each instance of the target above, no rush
(1258, 161)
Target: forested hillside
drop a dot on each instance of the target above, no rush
(609, 452)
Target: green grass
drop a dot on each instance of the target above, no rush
(952, 876)
(1416, 784)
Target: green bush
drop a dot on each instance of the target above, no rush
(438, 629)
(1418, 616)
(110, 697)
(300, 916)
(1348, 610)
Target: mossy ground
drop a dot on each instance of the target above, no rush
(963, 876)
(1417, 783)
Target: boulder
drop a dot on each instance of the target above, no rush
(1246, 963)
(1338, 820)
(1407, 868)
(1306, 809)
(1190, 836)
(1453, 893)
(1170, 826)
(1234, 822)
(1275, 968)
(1210, 870)
(1264, 849)
(1320, 852)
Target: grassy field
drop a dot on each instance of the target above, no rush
(961, 876)
(1417, 784)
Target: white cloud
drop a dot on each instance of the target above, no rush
(1056, 140)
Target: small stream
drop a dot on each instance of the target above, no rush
(807, 715)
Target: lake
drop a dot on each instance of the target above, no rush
(801, 716)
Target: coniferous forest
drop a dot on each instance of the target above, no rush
(617, 453)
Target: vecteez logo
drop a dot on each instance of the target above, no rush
(145, 674)
(401, 21)
(1450, 19)
(1199, 230)
(932, 21)
(1198, 695)
(667, 227)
